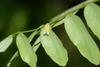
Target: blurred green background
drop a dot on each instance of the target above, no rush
(18, 15)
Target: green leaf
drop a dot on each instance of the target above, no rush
(92, 16)
(6, 43)
(25, 50)
(81, 38)
(29, 39)
(53, 46)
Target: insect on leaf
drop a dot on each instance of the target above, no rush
(81, 38)
(53, 46)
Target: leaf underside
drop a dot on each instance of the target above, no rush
(25, 50)
(81, 38)
(54, 48)
(92, 16)
(6, 43)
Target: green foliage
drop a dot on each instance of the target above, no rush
(81, 38)
(53, 46)
(25, 50)
(6, 43)
(92, 16)
(51, 43)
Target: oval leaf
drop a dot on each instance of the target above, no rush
(53, 46)
(6, 43)
(81, 38)
(25, 50)
(92, 16)
(16, 53)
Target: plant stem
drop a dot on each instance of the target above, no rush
(77, 7)
(13, 57)
(56, 20)
(61, 16)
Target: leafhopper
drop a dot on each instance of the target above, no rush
(47, 29)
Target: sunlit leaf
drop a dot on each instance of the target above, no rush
(53, 46)
(25, 50)
(81, 38)
(4, 44)
(16, 53)
(92, 16)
